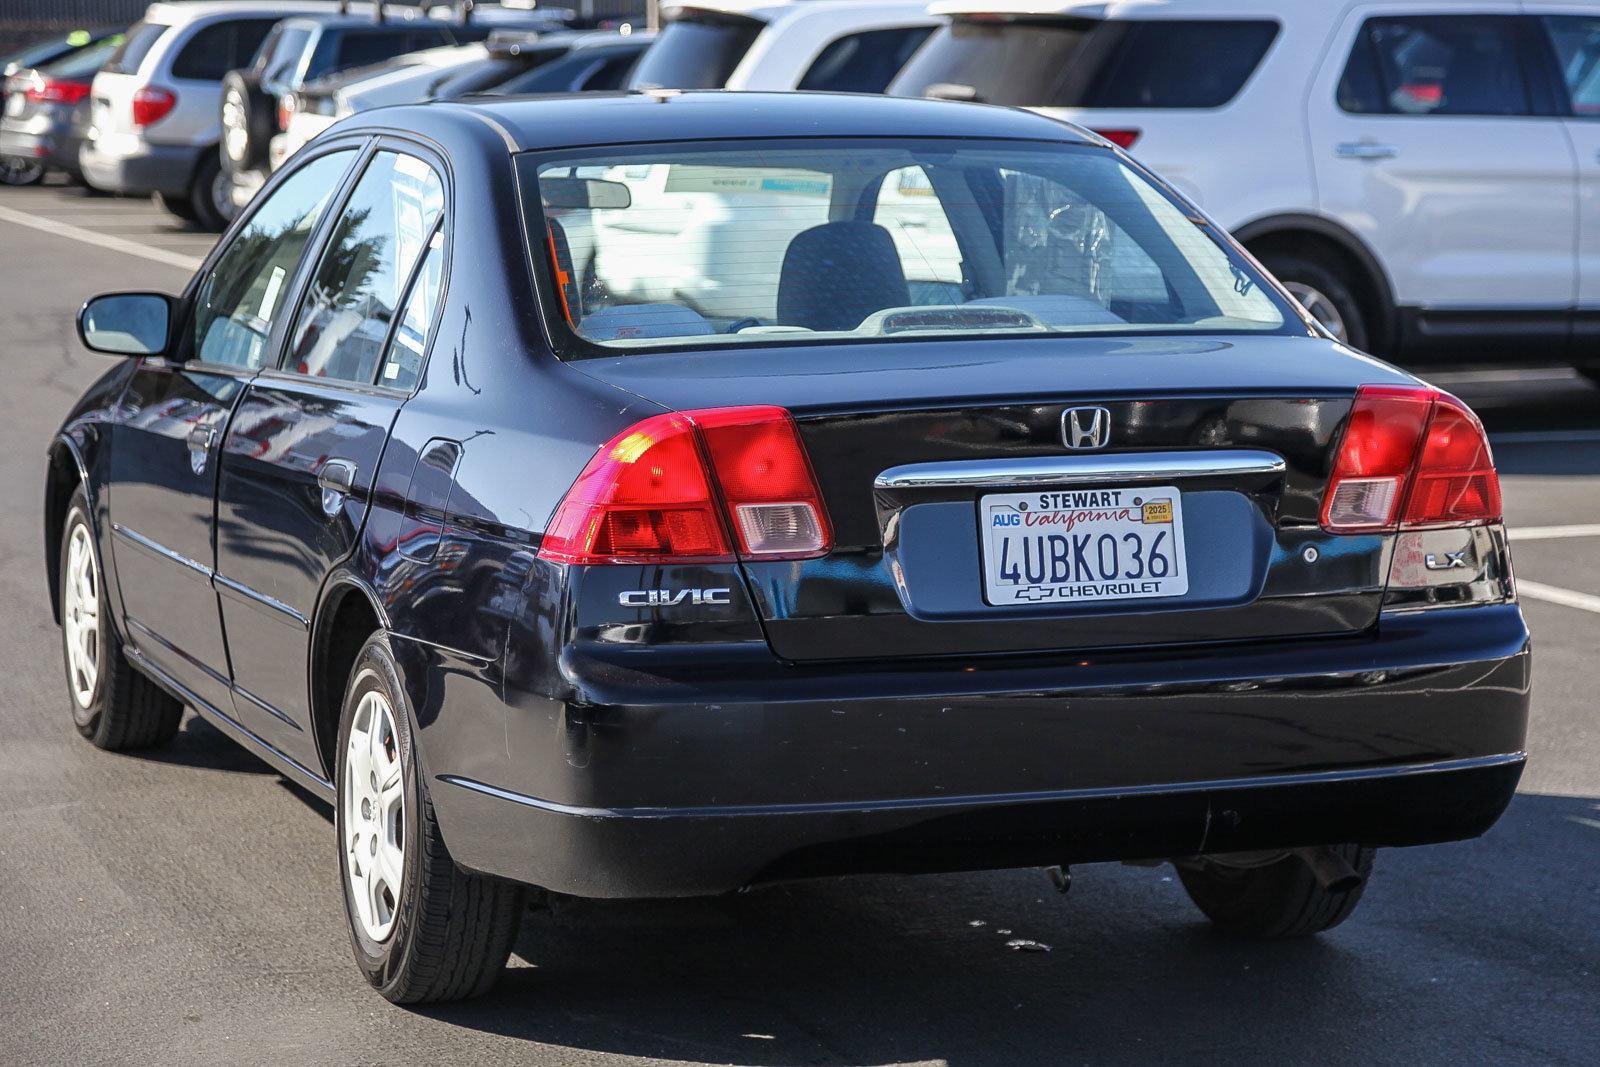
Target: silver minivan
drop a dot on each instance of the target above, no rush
(154, 123)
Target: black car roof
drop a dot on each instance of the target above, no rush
(532, 123)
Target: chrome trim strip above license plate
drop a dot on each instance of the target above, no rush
(1083, 470)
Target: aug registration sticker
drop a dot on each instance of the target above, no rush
(1077, 545)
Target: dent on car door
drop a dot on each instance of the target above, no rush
(1432, 138)
(170, 423)
(298, 464)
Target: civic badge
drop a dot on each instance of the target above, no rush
(1085, 428)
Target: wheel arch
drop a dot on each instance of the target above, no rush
(1312, 234)
(65, 471)
(348, 614)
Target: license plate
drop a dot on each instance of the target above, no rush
(1069, 546)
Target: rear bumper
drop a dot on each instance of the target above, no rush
(154, 168)
(658, 786)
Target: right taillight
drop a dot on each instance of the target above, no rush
(694, 486)
(1410, 457)
(151, 105)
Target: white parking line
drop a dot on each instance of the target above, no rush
(1554, 594)
(1548, 533)
(99, 240)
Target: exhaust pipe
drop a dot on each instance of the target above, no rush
(1331, 870)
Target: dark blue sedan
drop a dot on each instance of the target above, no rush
(653, 495)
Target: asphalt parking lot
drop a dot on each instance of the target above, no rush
(183, 906)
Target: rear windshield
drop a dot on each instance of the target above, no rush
(695, 54)
(765, 242)
(1167, 63)
(141, 37)
(83, 63)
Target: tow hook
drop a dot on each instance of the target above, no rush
(1331, 870)
(1060, 876)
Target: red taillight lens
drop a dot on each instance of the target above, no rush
(285, 111)
(50, 91)
(1455, 480)
(766, 481)
(649, 495)
(1121, 138)
(1411, 456)
(152, 105)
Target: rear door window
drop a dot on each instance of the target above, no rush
(1090, 63)
(864, 62)
(344, 321)
(220, 47)
(1576, 39)
(141, 37)
(1437, 65)
(695, 54)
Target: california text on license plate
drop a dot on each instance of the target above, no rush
(1071, 545)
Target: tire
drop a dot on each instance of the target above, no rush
(249, 120)
(176, 205)
(446, 933)
(17, 171)
(1326, 292)
(1280, 899)
(211, 194)
(113, 705)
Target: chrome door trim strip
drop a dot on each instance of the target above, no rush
(277, 606)
(1082, 470)
(139, 539)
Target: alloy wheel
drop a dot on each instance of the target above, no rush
(374, 815)
(17, 171)
(80, 619)
(1321, 307)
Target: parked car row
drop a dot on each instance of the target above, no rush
(1366, 153)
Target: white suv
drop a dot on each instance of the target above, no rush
(832, 45)
(154, 117)
(1423, 174)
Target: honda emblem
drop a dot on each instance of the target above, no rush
(1085, 428)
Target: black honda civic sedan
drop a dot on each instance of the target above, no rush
(662, 494)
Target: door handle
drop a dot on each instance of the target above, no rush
(1365, 150)
(201, 438)
(337, 476)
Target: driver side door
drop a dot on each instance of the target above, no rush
(170, 426)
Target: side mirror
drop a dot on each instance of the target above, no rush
(126, 324)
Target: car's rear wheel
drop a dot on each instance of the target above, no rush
(1322, 290)
(113, 705)
(1276, 897)
(179, 206)
(423, 928)
(211, 194)
(14, 170)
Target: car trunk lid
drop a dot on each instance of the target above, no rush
(1229, 441)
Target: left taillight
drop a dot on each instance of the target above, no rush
(1412, 458)
(1122, 138)
(53, 91)
(151, 105)
(286, 110)
(694, 486)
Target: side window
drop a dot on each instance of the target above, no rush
(345, 318)
(864, 62)
(402, 363)
(1439, 65)
(909, 208)
(240, 297)
(1576, 39)
(216, 49)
